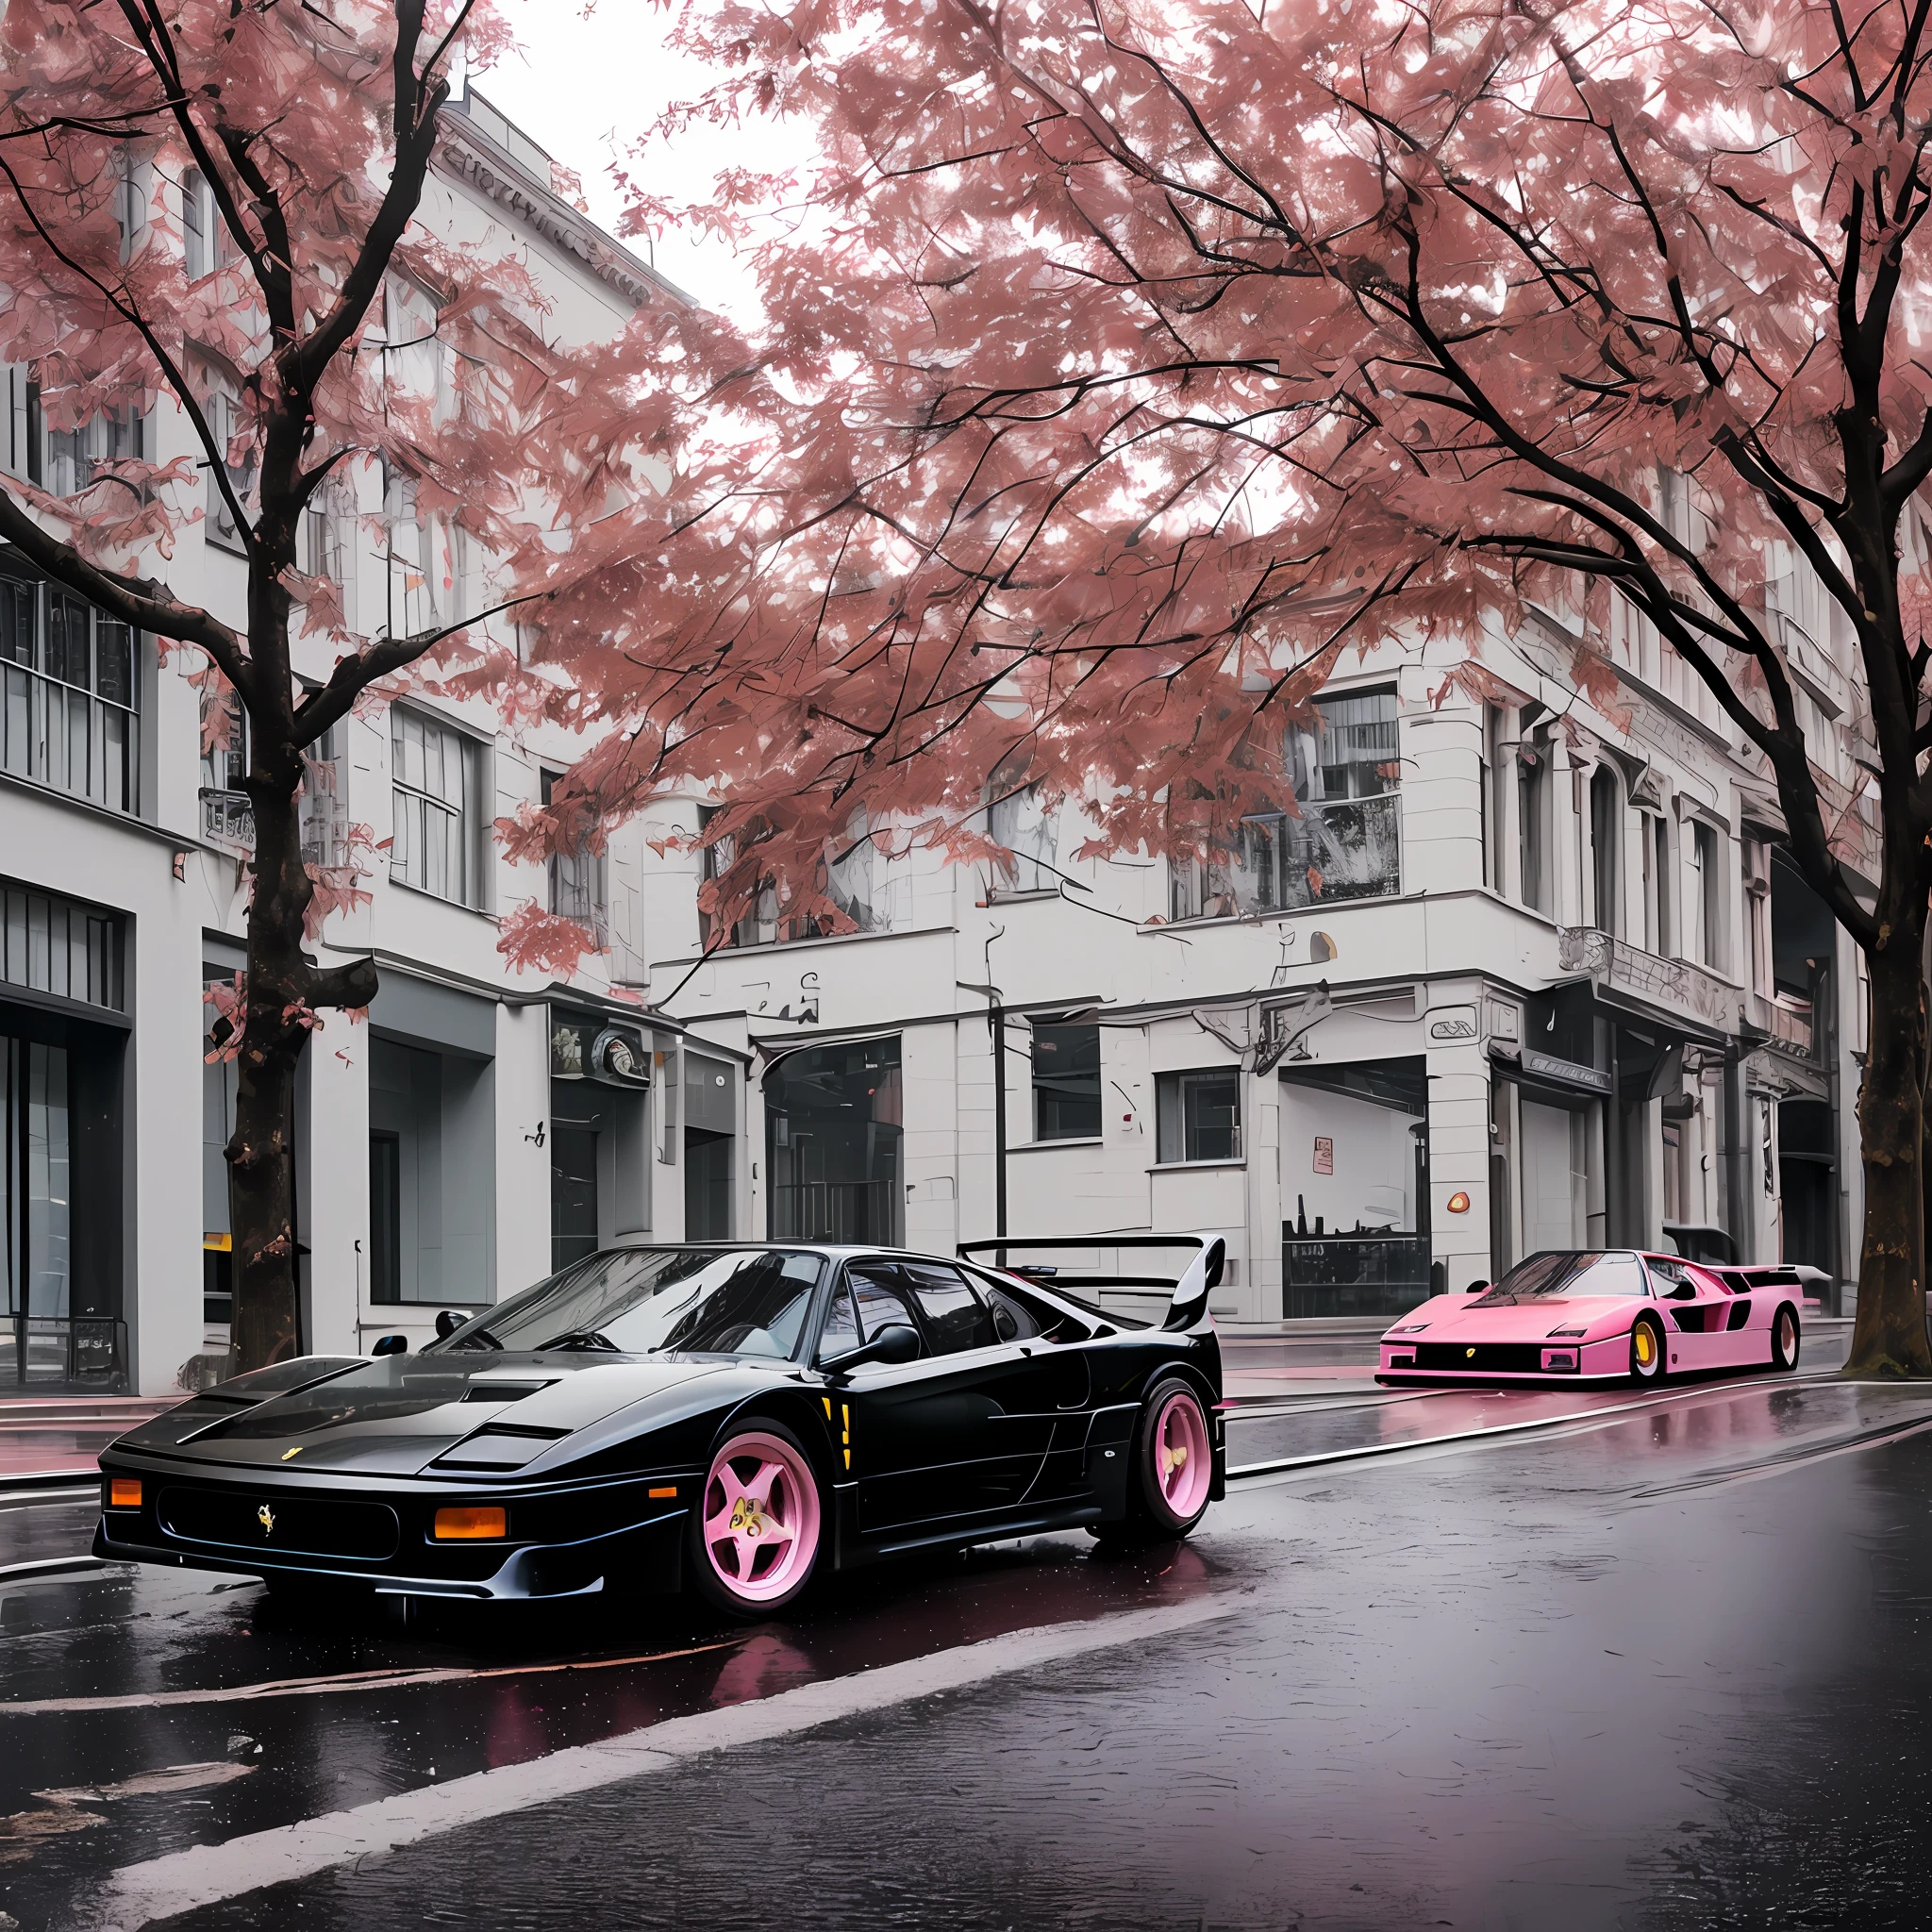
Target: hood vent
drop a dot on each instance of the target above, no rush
(499, 1446)
(502, 1391)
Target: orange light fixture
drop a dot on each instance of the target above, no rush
(124, 1492)
(471, 1525)
(1458, 1202)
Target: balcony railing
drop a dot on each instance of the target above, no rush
(1787, 1026)
(227, 820)
(1674, 984)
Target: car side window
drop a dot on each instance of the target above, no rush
(956, 1319)
(1012, 1321)
(841, 1331)
(880, 1299)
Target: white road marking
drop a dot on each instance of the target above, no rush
(182, 1881)
(343, 1681)
(1793, 1459)
(1587, 1417)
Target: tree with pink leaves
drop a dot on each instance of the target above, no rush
(1126, 363)
(205, 206)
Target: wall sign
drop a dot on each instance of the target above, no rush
(1324, 1154)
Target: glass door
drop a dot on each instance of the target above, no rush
(35, 1195)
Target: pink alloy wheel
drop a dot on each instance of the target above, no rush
(1182, 1460)
(761, 1518)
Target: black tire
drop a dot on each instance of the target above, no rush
(1166, 1497)
(1646, 1372)
(1785, 1338)
(803, 1502)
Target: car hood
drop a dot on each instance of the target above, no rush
(397, 1414)
(1529, 1320)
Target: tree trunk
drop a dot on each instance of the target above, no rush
(261, 1165)
(1889, 1338)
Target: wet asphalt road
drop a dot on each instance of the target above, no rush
(1663, 1666)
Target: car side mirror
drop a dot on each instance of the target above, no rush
(391, 1344)
(447, 1323)
(896, 1343)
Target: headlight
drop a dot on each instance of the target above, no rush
(1554, 1332)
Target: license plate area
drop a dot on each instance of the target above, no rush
(288, 1525)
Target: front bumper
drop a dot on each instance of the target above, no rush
(1547, 1361)
(566, 1539)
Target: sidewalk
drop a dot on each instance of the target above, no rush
(53, 1434)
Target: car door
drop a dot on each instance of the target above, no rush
(952, 1437)
(1695, 1305)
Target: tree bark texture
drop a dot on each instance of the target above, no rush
(1889, 1336)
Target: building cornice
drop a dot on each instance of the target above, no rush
(470, 155)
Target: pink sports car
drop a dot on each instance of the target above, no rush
(1593, 1318)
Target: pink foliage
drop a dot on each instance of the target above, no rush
(1130, 360)
(534, 941)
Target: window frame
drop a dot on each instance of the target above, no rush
(32, 689)
(1171, 1089)
(591, 869)
(1047, 1025)
(468, 815)
(1280, 847)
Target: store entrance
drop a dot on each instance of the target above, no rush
(60, 1209)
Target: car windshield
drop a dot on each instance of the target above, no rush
(650, 1300)
(1546, 1277)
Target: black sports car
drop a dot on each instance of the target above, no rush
(727, 1416)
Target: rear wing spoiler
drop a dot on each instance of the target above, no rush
(1188, 1299)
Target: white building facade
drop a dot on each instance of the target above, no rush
(1556, 985)
(483, 1126)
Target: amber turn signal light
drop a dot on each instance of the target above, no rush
(124, 1492)
(471, 1525)
(1458, 1202)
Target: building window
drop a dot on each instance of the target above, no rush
(75, 457)
(1703, 901)
(1533, 823)
(1490, 767)
(576, 881)
(1017, 818)
(850, 880)
(51, 945)
(434, 774)
(1606, 843)
(205, 244)
(1344, 842)
(68, 712)
(1066, 1082)
(224, 414)
(1198, 1115)
(1656, 883)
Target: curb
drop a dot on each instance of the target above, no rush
(33, 1482)
(48, 1566)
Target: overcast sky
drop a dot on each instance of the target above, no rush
(587, 87)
